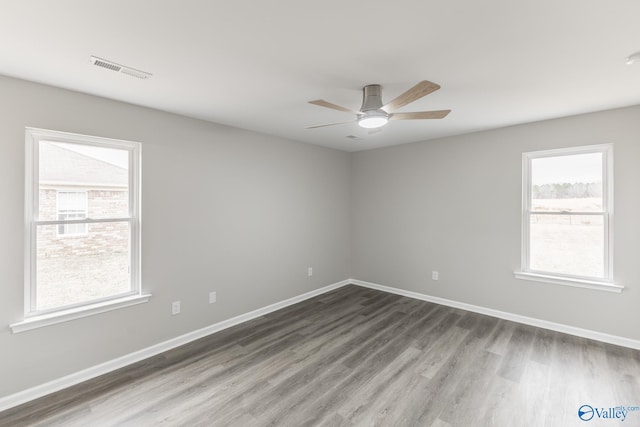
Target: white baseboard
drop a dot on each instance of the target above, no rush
(36, 392)
(558, 327)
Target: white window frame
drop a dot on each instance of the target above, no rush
(86, 213)
(34, 318)
(605, 283)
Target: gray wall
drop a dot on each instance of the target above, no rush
(454, 204)
(245, 214)
(223, 209)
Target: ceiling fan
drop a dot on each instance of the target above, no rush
(374, 114)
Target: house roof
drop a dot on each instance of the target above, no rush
(61, 166)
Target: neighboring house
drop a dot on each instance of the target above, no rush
(77, 186)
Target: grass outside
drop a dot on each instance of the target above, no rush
(569, 244)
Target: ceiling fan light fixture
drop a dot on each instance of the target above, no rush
(633, 58)
(374, 114)
(373, 120)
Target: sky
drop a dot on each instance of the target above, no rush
(110, 155)
(571, 168)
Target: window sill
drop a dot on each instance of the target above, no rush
(578, 283)
(76, 313)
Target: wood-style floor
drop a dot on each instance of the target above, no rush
(359, 357)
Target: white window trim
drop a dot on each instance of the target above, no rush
(34, 318)
(35, 322)
(526, 273)
(577, 283)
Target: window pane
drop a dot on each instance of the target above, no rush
(102, 174)
(72, 205)
(83, 268)
(571, 183)
(72, 229)
(568, 244)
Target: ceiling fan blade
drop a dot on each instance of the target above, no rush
(329, 124)
(323, 103)
(440, 114)
(423, 88)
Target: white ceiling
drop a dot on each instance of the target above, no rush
(255, 64)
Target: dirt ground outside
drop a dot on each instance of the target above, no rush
(70, 280)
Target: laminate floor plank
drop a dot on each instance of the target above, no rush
(203, 384)
(439, 351)
(402, 330)
(542, 347)
(444, 385)
(440, 423)
(411, 305)
(569, 386)
(529, 400)
(404, 409)
(462, 404)
(356, 357)
(335, 420)
(513, 361)
(391, 379)
(442, 321)
(372, 362)
(389, 400)
(342, 293)
(360, 326)
(498, 341)
(622, 359)
(498, 408)
(318, 363)
(371, 305)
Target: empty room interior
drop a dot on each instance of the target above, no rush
(320, 214)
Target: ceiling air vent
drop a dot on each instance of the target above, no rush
(109, 65)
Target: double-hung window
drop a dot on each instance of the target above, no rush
(82, 226)
(567, 217)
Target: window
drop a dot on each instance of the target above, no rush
(82, 226)
(567, 217)
(72, 205)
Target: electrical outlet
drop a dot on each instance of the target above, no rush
(175, 307)
(434, 275)
(212, 297)
(310, 271)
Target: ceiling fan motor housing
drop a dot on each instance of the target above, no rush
(371, 98)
